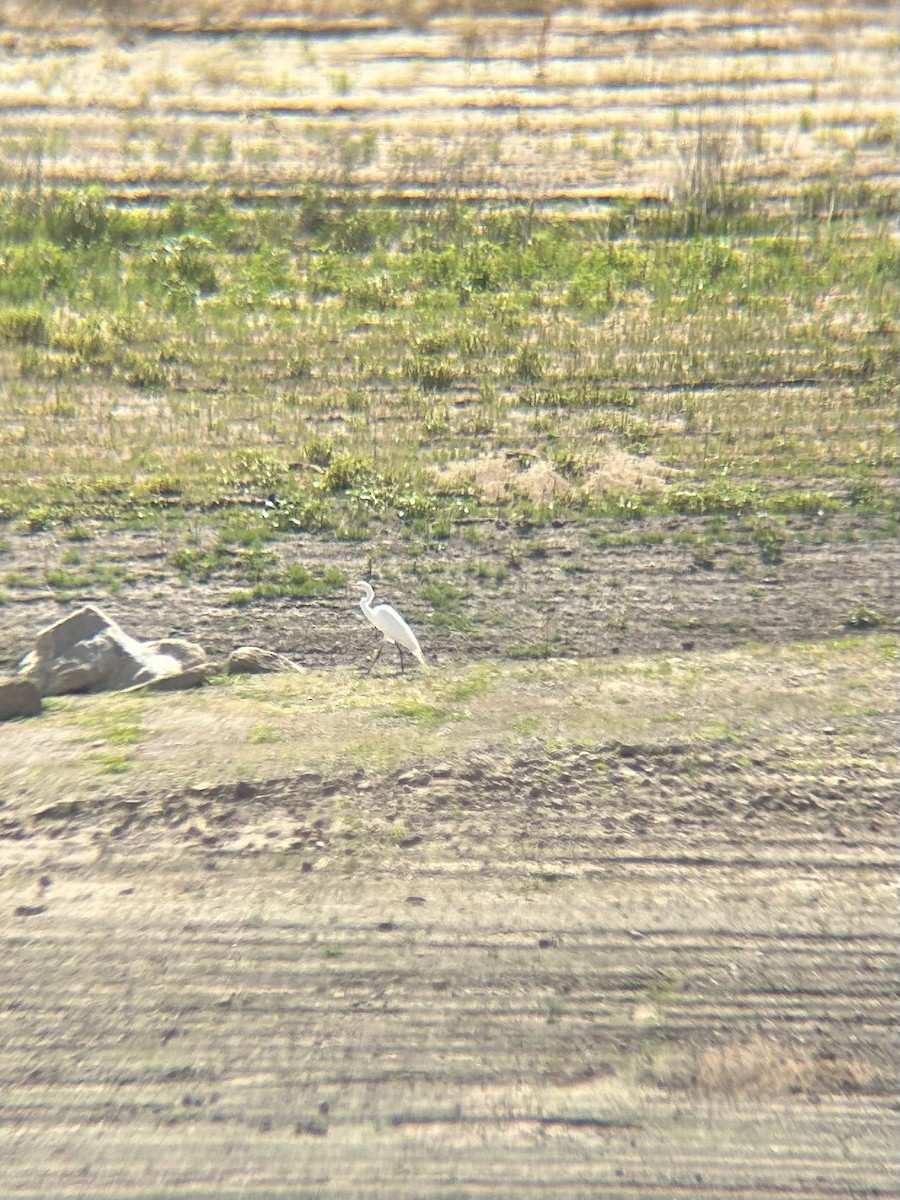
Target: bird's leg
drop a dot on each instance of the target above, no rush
(400, 652)
(375, 659)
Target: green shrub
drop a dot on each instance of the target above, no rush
(344, 470)
(770, 537)
(183, 267)
(34, 272)
(77, 218)
(529, 364)
(26, 326)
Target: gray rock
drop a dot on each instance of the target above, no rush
(188, 678)
(18, 698)
(87, 651)
(250, 660)
(188, 654)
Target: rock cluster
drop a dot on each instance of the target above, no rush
(87, 651)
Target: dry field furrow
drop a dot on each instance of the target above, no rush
(660, 601)
(546, 985)
(277, 1033)
(595, 104)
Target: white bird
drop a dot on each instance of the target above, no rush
(391, 624)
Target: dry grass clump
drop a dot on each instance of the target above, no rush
(497, 477)
(414, 14)
(619, 469)
(765, 1067)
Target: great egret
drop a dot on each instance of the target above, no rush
(391, 624)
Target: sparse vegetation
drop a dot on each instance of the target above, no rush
(84, 276)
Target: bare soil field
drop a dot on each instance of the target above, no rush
(619, 926)
(516, 594)
(622, 970)
(604, 904)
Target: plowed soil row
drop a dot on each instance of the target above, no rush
(619, 970)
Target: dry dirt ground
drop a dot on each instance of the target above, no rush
(597, 967)
(677, 977)
(514, 593)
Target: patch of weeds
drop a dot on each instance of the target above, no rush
(23, 326)
(346, 470)
(262, 734)
(429, 371)
(117, 723)
(720, 496)
(703, 554)
(143, 371)
(529, 364)
(453, 621)
(38, 518)
(78, 533)
(194, 563)
(310, 513)
(258, 469)
(475, 685)
(888, 649)
(446, 602)
(17, 579)
(430, 716)
(295, 583)
(319, 450)
(113, 764)
(770, 536)
(528, 650)
(68, 581)
(672, 716)
(799, 500)
(665, 989)
(298, 366)
(396, 833)
(527, 726)
(124, 734)
(183, 268)
(633, 432)
(493, 573)
(861, 616)
(441, 595)
(718, 731)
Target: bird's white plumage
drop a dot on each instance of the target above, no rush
(389, 622)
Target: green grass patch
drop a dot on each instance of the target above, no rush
(365, 346)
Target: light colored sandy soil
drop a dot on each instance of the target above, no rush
(679, 974)
(600, 102)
